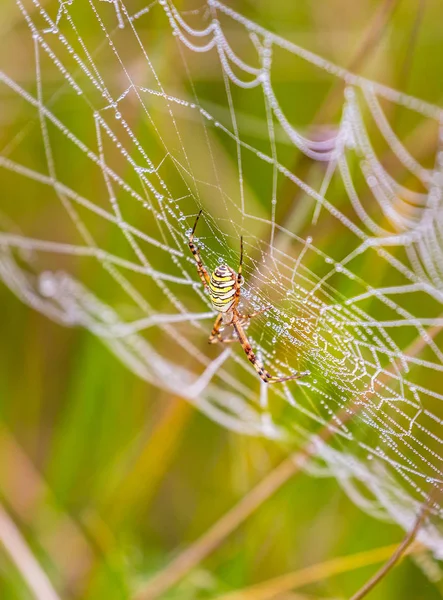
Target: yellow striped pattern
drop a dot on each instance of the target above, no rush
(222, 287)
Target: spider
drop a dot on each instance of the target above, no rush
(224, 289)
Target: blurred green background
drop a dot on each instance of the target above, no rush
(108, 478)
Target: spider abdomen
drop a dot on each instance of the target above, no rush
(222, 287)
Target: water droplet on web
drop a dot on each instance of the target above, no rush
(47, 285)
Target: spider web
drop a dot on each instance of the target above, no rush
(116, 147)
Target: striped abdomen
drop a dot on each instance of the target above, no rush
(222, 288)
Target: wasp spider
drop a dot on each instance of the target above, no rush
(224, 289)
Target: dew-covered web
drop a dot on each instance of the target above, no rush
(117, 143)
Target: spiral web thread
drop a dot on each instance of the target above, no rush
(148, 182)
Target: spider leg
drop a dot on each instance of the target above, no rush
(274, 379)
(263, 373)
(202, 272)
(227, 340)
(254, 314)
(216, 336)
(215, 333)
(239, 280)
(240, 266)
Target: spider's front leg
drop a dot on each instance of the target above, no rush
(202, 272)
